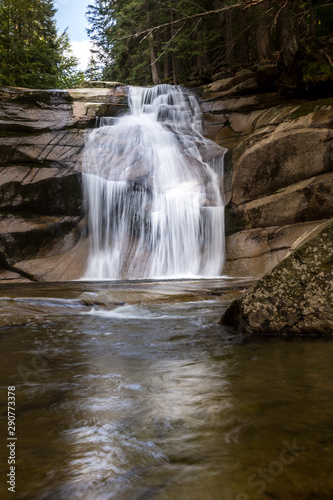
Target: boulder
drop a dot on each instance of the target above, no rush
(295, 297)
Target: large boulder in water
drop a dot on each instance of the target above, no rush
(296, 297)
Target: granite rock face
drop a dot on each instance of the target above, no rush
(278, 178)
(42, 136)
(278, 171)
(295, 297)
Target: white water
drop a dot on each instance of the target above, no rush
(154, 206)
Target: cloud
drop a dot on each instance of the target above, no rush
(81, 50)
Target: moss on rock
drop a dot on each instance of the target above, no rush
(296, 297)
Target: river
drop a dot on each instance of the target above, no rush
(130, 390)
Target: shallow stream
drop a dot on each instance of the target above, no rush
(131, 391)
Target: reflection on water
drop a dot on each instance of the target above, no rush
(152, 400)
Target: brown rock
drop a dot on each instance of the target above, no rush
(307, 200)
(42, 137)
(225, 84)
(69, 265)
(33, 236)
(255, 252)
(29, 110)
(47, 191)
(279, 160)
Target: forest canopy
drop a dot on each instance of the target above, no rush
(181, 41)
(144, 42)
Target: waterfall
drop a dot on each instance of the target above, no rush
(154, 205)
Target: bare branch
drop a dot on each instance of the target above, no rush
(169, 42)
(292, 34)
(279, 12)
(329, 59)
(252, 3)
(242, 5)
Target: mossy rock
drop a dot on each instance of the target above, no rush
(296, 297)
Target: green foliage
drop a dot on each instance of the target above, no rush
(128, 58)
(315, 61)
(319, 71)
(191, 40)
(31, 52)
(94, 71)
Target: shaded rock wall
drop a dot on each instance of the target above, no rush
(278, 171)
(42, 136)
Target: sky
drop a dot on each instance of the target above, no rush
(71, 15)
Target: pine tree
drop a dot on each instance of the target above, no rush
(93, 72)
(177, 41)
(31, 52)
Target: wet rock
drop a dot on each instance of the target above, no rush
(281, 159)
(29, 110)
(295, 297)
(48, 191)
(307, 200)
(26, 235)
(12, 277)
(255, 252)
(61, 266)
(220, 104)
(42, 136)
(278, 174)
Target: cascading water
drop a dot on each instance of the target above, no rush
(154, 205)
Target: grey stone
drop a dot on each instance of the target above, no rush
(295, 297)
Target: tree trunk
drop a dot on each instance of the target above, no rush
(287, 36)
(166, 58)
(199, 57)
(243, 39)
(174, 58)
(228, 37)
(153, 63)
(175, 68)
(263, 31)
(312, 21)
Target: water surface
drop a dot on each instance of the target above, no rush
(132, 391)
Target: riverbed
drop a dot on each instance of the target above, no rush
(132, 391)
